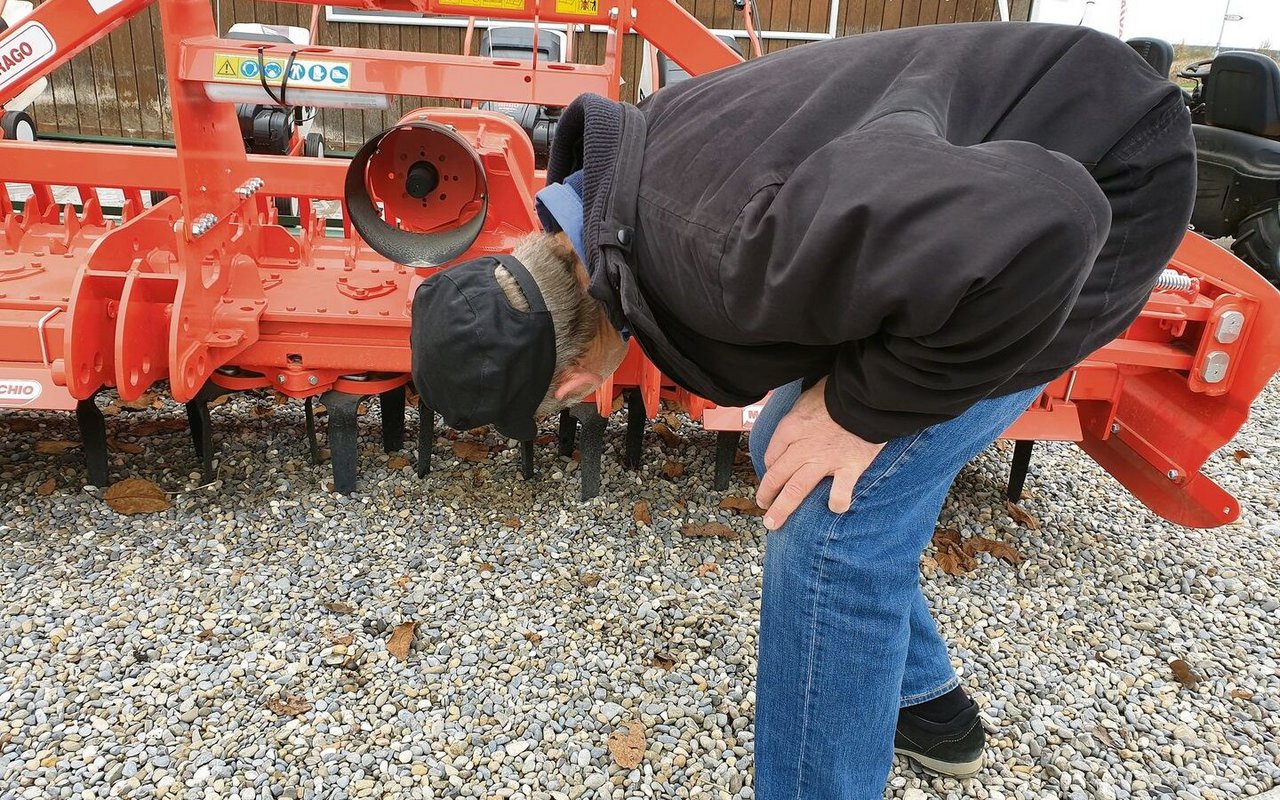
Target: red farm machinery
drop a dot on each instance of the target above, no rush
(205, 291)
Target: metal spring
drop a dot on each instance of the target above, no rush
(1172, 281)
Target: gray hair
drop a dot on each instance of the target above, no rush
(575, 315)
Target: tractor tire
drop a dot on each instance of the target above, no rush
(19, 126)
(313, 146)
(1258, 242)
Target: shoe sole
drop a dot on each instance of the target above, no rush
(954, 769)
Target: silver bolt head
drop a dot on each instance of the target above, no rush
(279, 379)
(313, 380)
(1173, 474)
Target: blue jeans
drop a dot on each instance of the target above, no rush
(845, 632)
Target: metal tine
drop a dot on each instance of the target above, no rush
(202, 427)
(635, 429)
(426, 437)
(93, 432)
(343, 435)
(312, 444)
(590, 447)
(392, 404)
(726, 451)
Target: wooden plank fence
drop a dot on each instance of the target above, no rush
(117, 86)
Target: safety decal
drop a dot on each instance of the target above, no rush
(19, 392)
(581, 8)
(26, 48)
(505, 5)
(101, 6)
(307, 73)
(749, 414)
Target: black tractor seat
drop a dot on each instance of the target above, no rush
(1238, 148)
(1238, 158)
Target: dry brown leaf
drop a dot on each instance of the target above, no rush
(672, 420)
(1242, 694)
(545, 439)
(627, 748)
(220, 400)
(589, 579)
(618, 402)
(401, 639)
(673, 469)
(640, 512)
(157, 426)
(288, 705)
(533, 637)
(1182, 671)
(668, 436)
(204, 635)
(951, 556)
(512, 522)
(1021, 516)
(704, 570)
(143, 402)
(403, 581)
(20, 425)
(709, 530)
(470, 451)
(136, 496)
(485, 567)
(1002, 551)
(742, 505)
(342, 639)
(55, 447)
(262, 411)
(397, 462)
(47, 488)
(1102, 736)
(339, 607)
(281, 398)
(124, 447)
(663, 661)
(110, 410)
(1240, 455)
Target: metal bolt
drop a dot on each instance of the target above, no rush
(203, 224)
(1173, 474)
(313, 380)
(279, 379)
(1115, 427)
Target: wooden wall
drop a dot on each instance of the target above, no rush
(117, 86)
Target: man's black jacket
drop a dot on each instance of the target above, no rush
(927, 216)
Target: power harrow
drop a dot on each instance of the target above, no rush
(205, 291)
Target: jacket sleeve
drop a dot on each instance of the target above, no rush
(935, 271)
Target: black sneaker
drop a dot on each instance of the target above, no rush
(950, 748)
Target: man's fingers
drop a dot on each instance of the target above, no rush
(842, 490)
(774, 478)
(792, 494)
(778, 444)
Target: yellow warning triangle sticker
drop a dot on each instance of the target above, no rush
(226, 68)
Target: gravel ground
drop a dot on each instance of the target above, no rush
(237, 644)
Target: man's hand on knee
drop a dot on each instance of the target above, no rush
(806, 447)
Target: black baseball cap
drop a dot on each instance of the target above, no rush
(477, 359)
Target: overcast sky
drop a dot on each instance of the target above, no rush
(1190, 21)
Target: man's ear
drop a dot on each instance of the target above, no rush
(576, 381)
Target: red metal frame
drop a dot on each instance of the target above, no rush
(204, 287)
